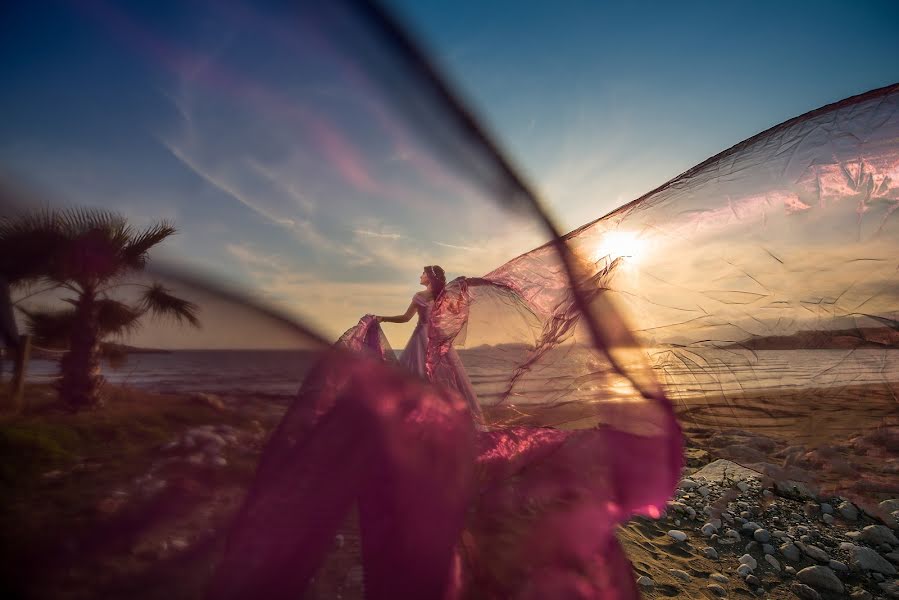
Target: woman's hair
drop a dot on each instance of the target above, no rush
(437, 278)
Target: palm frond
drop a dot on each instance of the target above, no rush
(116, 318)
(78, 221)
(159, 301)
(50, 328)
(134, 252)
(63, 245)
(30, 245)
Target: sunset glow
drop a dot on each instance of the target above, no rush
(621, 244)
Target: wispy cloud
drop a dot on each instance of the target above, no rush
(286, 185)
(378, 234)
(247, 255)
(455, 247)
(220, 183)
(331, 305)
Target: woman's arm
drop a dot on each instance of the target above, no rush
(403, 318)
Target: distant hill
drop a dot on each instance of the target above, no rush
(835, 339)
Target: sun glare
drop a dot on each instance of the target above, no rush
(625, 244)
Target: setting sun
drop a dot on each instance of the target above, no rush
(615, 244)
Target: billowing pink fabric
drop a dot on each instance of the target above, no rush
(524, 512)
(361, 433)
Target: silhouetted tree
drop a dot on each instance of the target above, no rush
(89, 254)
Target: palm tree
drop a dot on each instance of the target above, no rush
(89, 254)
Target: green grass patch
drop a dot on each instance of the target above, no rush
(97, 453)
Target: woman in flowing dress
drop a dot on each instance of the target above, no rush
(414, 357)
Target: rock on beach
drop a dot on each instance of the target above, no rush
(820, 578)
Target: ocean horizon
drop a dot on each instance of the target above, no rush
(233, 372)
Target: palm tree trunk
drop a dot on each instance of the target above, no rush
(80, 380)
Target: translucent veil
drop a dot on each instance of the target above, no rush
(324, 136)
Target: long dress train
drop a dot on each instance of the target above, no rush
(453, 376)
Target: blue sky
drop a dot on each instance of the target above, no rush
(290, 173)
(618, 97)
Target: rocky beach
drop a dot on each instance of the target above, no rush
(731, 531)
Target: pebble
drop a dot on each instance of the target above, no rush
(860, 595)
(719, 578)
(876, 535)
(805, 592)
(687, 484)
(716, 589)
(790, 552)
(820, 578)
(773, 562)
(645, 581)
(867, 559)
(848, 511)
(710, 552)
(753, 580)
(828, 519)
(837, 566)
(744, 570)
(682, 575)
(794, 489)
(768, 549)
(816, 553)
(761, 535)
(826, 508)
(704, 491)
(893, 557)
(747, 559)
(751, 526)
(742, 486)
(677, 535)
